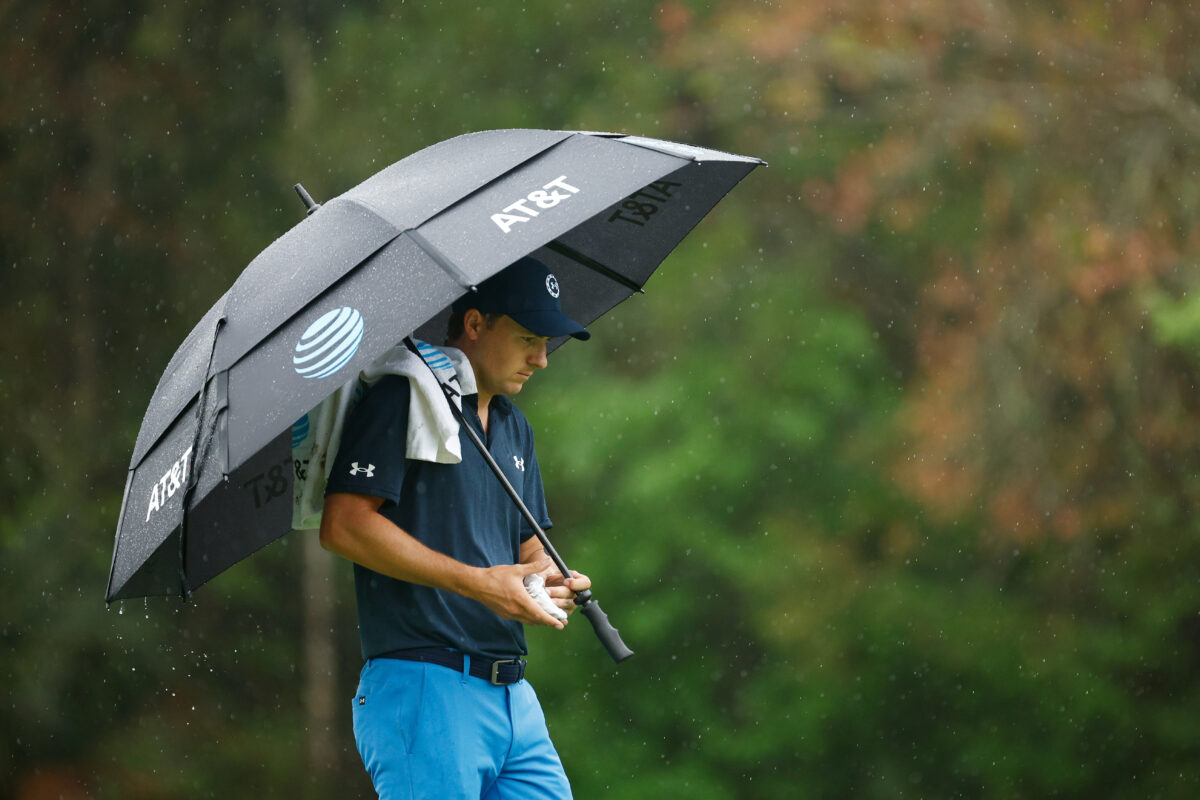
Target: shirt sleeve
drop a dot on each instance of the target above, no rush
(371, 456)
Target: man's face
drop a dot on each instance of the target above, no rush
(505, 355)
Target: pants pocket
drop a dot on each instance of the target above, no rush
(387, 712)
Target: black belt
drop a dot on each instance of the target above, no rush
(501, 673)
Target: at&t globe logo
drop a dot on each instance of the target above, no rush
(328, 343)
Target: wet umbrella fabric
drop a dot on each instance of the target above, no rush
(364, 270)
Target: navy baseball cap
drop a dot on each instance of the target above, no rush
(528, 292)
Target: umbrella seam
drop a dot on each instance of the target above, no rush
(645, 145)
(468, 195)
(445, 264)
(493, 180)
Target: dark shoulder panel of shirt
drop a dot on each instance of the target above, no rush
(371, 456)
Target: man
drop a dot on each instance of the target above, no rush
(440, 555)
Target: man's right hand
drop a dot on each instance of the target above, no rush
(502, 589)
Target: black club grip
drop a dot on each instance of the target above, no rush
(605, 632)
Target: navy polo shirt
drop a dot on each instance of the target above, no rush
(457, 509)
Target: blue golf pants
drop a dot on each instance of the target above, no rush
(428, 731)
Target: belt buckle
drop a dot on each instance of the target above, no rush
(496, 671)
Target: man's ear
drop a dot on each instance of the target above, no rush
(473, 322)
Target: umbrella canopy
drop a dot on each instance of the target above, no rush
(369, 267)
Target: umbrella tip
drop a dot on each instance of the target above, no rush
(309, 203)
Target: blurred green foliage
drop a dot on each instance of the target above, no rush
(889, 479)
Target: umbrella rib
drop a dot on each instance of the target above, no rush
(112, 570)
(593, 264)
(196, 462)
(438, 258)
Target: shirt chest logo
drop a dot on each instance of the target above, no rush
(519, 463)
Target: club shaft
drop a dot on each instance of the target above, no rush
(499, 473)
(516, 498)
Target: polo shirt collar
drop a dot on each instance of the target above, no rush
(500, 403)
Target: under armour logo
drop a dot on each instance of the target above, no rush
(369, 469)
(519, 463)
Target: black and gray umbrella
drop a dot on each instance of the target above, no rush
(363, 271)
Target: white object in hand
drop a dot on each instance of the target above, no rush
(536, 586)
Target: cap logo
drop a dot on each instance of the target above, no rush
(552, 286)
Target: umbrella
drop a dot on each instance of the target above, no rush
(211, 478)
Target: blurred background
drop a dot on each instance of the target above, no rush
(890, 478)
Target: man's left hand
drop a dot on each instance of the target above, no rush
(562, 591)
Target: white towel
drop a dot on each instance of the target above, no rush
(432, 428)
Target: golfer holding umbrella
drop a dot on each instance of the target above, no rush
(441, 557)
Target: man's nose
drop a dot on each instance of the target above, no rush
(538, 357)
